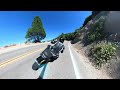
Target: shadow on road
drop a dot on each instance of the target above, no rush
(44, 64)
(43, 70)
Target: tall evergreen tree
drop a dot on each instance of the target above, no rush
(36, 33)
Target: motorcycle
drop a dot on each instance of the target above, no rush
(43, 59)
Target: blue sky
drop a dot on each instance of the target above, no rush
(14, 24)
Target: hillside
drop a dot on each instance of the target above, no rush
(101, 32)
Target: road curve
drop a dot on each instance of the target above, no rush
(17, 64)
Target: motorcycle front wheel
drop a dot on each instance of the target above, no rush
(35, 66)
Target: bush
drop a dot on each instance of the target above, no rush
(86, 20)
(96, 31)
(103, 52)
(67, 36)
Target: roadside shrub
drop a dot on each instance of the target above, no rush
(103, 52)
(96, 31)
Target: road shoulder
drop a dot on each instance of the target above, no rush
(92, 72)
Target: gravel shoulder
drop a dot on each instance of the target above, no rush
(93, 72)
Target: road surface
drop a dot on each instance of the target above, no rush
(17, 64)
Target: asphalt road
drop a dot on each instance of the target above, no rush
(17, 64)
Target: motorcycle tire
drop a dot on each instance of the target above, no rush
(35, 66)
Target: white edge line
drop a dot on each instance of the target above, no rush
(74, 64)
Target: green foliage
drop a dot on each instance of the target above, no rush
(96, 31)
(87, 19)
(103, 52)
(68, 36)
(36, 32)
(76, 32)
(94, 13)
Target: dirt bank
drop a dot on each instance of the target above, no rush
(95, 73)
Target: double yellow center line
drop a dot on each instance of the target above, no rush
(3, 64)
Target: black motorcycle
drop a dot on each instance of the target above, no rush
(45, 57)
